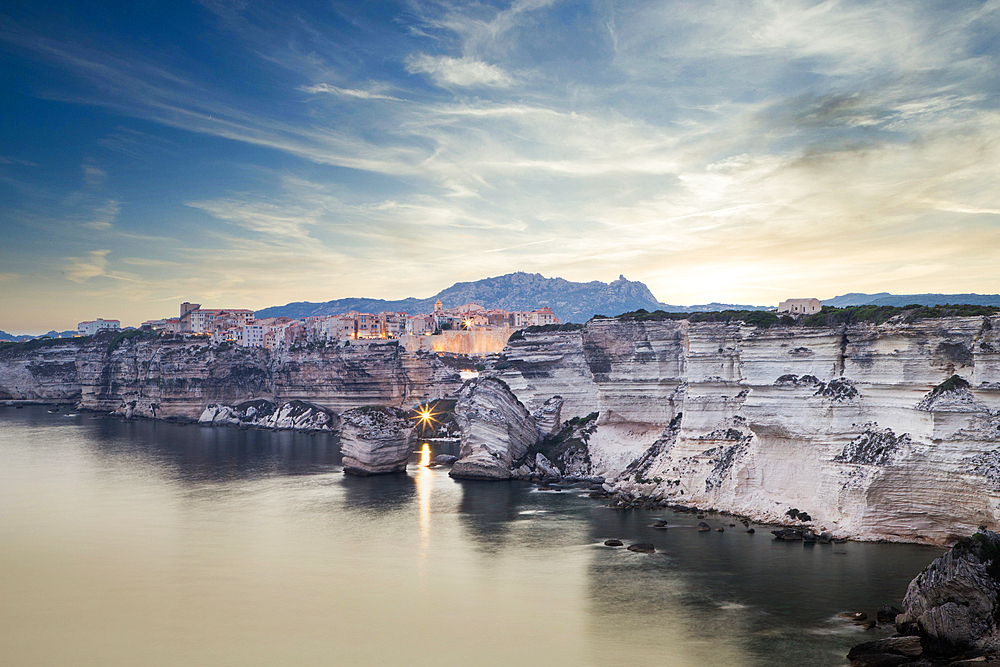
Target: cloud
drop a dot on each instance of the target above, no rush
(82, 269)
(92, 175)
(463, 72)
(347, 92)
(104, 215)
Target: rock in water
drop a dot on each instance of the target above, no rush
(887, 614)
(642, 548)
(444, 459)
(376, 440)
(496, 430)
(952, 604)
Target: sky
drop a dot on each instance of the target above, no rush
(243, 153)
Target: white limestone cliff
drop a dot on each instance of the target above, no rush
(861, 427)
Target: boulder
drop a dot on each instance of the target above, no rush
(444, 459)
(613, 543)
(887, 614)
(703, 527)
(787, 534)
(853, 615)
(496, 429)
(376, 440)
(546, 467)
(952, 604)
(908, 646)
(642, 548)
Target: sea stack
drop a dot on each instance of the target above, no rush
(376, 440)
(496, 430)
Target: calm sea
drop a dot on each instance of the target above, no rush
(145, 543)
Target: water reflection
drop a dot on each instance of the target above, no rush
(425, 485)
(197, 454)
(488, 510)
(755, 597)
(132, 542)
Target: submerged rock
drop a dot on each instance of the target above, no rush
(642, 548)
(376, 440)
(496, 430)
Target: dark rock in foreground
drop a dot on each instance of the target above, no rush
(950, 611)
(642, 548)
(952, 604)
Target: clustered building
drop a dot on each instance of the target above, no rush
(239, 326)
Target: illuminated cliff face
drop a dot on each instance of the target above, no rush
(477, 342)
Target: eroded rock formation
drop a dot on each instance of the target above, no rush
(179, 377)
(376, 440)
(496, 430)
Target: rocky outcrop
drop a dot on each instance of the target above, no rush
(496, 430)
(260, 413)
(376, 440)
(43, 371)
(952, 604)
(950, 611)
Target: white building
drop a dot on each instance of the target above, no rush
(91, 327)
(800, 306)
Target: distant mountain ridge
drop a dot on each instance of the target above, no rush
(5, 337)
(886, 299)
(570, 301)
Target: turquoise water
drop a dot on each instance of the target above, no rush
(148, 543)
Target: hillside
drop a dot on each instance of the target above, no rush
(899, 300)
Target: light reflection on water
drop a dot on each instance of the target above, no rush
(125, 543)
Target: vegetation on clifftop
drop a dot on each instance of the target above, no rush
(829, 316)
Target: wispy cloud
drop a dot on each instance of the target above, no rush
(347, 92)
(689, 144)
(82, 269)
(463, 72)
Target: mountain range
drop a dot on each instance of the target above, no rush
(5, 337)
(570, 301)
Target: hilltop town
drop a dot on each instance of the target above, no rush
(466, 329)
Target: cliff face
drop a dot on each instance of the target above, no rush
(858, 426)
(46, 373)
(173, 377)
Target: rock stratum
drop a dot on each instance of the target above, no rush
(887, 432)
(169, 377)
